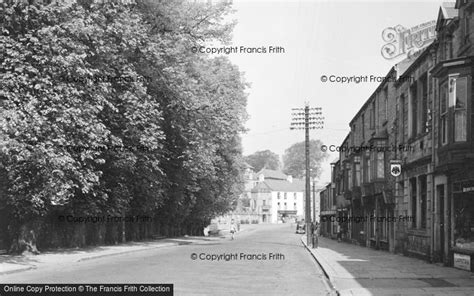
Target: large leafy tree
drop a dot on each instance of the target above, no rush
(186, 116)
(263, 159)
(294, 162)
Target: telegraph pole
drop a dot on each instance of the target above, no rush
(307, 118)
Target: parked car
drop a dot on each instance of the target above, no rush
(300, 227)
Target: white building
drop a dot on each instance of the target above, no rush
(277, 197)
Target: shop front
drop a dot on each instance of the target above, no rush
(287, 215)
(463, 226)
(328, 221)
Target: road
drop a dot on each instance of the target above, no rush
(264, 260)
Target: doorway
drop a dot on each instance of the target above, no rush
(441, 199)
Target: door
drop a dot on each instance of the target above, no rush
(440, 192)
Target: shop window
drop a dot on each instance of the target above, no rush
(464, 220)
(444, 113)
(460, 110)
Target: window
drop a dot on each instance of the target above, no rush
(284, 195)
(424, 104)
(264, 202)
(460, 116)
(353, 134)
(377, 162)
(414, 207)
(401, 188)
(279, 206)
(286, 207)
(367, 167)
(385, 102)
(380, 164)
(372, 116)
(294, 195)
(464, 222)
(444, 113)
(350, 179)
(294, 206)
(363, 126)
(413, 118)
(466, 28)
(278, 195)
(423, 202)
(356, 170)
(402, 118)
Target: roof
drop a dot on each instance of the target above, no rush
(259, 186)
(409, 64)
(447, 11)
(285, 186)
(272, 174)
(372, 97)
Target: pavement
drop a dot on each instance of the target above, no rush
(18, 263)
(356, 270)
(266, 260)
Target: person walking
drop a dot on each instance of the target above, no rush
(233, 229)
(339, 233)
(314, 234)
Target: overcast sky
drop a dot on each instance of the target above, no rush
(320, 38)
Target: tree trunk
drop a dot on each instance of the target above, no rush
(25, 240)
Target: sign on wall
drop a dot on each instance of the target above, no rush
(462, 261)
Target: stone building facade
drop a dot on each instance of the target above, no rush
(405, 180)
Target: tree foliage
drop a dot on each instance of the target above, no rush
(105, 109)
(294, 162)
(263, 159)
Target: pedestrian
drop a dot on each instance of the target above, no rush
(233, 229)
(339, 233)
(314, 234)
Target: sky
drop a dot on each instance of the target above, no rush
(342, 38)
